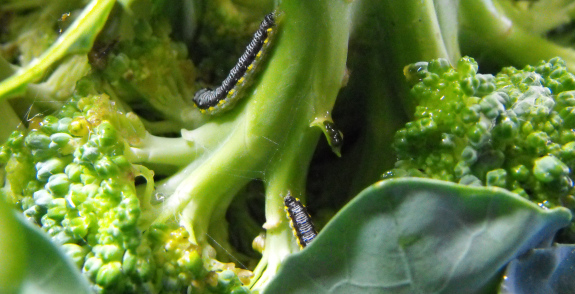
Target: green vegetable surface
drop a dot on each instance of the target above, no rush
(114, 179)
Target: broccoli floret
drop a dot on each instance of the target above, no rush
(75, 173)
(135, 183)
(512, 130)
(149, 71)
(70, 175)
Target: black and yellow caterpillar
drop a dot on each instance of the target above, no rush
(300, 221)
(224, 96)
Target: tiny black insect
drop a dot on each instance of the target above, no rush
(225, 95)
(300, 221)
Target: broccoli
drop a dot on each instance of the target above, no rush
(134, 183)
(148, 71)
(513, 130)
(71, 174)
(107, 153)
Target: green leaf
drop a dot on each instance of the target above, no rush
(12, 250)
(419, 236)
(49, 269)
(30, 262)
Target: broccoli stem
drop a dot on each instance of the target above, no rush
(234, 10)
(271, 125)
(53, 93)
(419, 31)
(276, 249)
(288, 174)
(78, 38)
(541, 16)
(153, 151)
(161, 127)
(487, 31)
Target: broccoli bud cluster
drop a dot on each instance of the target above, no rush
(69, 174)
(513, 130)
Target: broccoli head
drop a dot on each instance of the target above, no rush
(133, 181)
(513, 130)
(71, 174)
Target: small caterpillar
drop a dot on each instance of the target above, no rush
(225, 95)
(333, 134)
(300, 221)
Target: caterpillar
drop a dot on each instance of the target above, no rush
(300, 221)
(224, 96)
(333, 134)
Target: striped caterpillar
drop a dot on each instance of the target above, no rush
(226, 95)
(300, 221)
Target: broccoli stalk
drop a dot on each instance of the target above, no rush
(270, 126)
(538, 17)
(59, 86)
(6, 69)
(74, 172)
(500, 31)
(135, 184)
(10, 120)
(79, 37)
